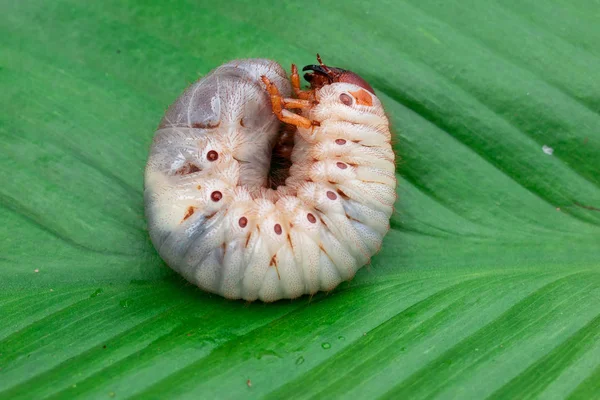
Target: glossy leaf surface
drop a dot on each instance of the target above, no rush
(488, 284)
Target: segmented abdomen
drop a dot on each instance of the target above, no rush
(212, 218)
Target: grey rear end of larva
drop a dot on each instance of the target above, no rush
(229, 105)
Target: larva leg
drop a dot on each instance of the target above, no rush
(280, 106)
(294, 119)
(296, 103)
(295, 79)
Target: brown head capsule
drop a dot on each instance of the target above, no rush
(324, 75)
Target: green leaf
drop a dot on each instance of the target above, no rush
(488, 284)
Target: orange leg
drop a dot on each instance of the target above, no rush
(296, 103)
(295, 78)
(280, 106)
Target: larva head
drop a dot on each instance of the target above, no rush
(324, 75)
(343, 95)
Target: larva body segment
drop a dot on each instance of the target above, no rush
(212, 217)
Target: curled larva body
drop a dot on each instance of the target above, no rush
(212, 216)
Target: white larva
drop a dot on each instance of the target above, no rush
(211, 213)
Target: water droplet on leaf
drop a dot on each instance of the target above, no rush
(267, 355)
(125, 303)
